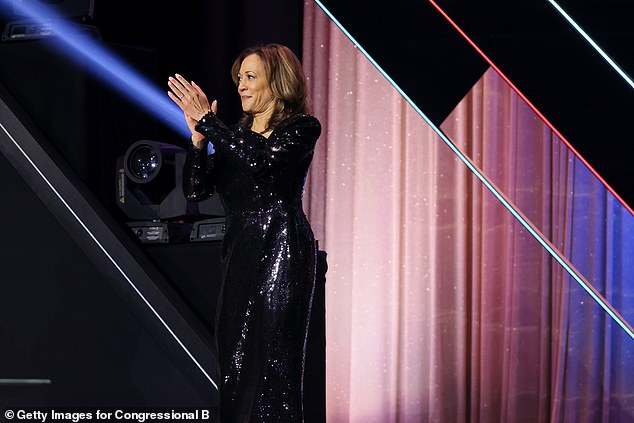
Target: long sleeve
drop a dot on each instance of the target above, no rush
(290, 143)
(198, 182)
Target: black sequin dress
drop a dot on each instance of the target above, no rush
(268, 261)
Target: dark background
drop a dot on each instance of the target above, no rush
(200, 39)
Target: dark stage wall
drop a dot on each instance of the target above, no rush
(62, 320)
(66, 314)
(78, 297)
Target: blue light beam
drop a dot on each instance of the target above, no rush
(594, 45)
(105, 65)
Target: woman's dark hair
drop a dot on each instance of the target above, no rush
(286, 79)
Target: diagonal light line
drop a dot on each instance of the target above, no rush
(107, 254)
(25, 381)
(552, 250)
(594, 45)
(532, 106)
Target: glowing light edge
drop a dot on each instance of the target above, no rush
(107, 254)
(594, 45)
(541, 116)
(25, 381)
(524, 222)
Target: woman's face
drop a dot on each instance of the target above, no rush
(253, 86)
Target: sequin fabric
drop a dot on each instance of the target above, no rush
(268, 262)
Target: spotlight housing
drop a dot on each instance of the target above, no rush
(69, 9)
(52, 13)
(150, 185)
(143, 161)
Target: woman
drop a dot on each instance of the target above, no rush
(268, 255)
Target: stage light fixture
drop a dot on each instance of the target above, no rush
(69, 9)
(150, 193)
(23, 27)
(142, 162)
(212, 229)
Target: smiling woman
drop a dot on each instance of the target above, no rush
(255, 93)
(268, 256)
(260, 86)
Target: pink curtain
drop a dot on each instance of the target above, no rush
(440, 307)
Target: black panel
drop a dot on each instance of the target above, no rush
(62, 320)
(79, 305)
(417, 49)
(195, 267)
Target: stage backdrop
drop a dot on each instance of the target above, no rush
(440, 306)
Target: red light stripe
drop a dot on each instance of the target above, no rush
(523, 97)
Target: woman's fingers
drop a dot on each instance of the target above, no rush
(187, 87)
(175, 92)
(180, 87)
(189, 97)
(175, 98)
(197, 88)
